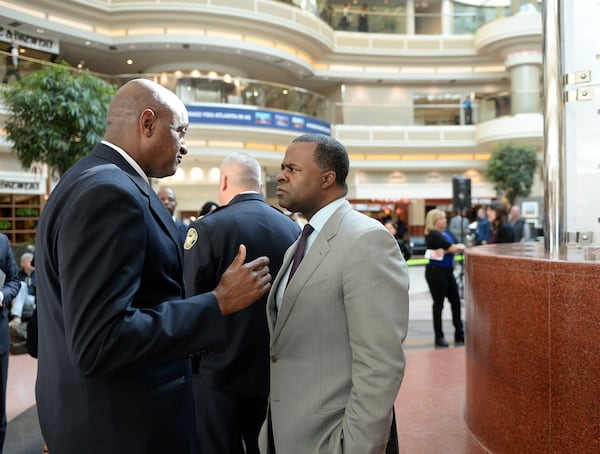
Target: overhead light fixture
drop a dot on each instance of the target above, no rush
(130, 62)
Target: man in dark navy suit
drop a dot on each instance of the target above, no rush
(231, 388)
(169, 199)
(116, 334)
(9, 287)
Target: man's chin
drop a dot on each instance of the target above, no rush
(282, 201)
(164, 174)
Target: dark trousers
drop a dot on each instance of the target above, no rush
(3, 381)
(392, 446)
(442, 284)
(226, 424)
(11, 71)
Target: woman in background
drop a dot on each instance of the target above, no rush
(392, 227)
(207, 208)
(439, 273)
(502, 231)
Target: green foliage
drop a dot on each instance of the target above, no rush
(56, 115)
(511, 168)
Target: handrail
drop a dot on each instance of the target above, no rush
(402, 20)
(199, 89)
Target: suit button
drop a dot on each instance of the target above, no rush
(273, 359)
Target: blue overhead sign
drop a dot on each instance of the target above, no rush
(255, 117)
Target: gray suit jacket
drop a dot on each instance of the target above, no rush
(336, 345)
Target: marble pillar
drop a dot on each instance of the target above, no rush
(533, 351)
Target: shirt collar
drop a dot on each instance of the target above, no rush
(129, 159)
(239, 193)
(321, 217)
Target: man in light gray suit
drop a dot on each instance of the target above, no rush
(338, 325)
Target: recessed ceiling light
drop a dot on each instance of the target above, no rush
(87, 43)
(130, 62)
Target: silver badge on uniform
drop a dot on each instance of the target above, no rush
(191, 238)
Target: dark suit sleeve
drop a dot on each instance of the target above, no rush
(9, 267)
(200, 268)
(121, 287)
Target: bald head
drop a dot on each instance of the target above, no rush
(133, 98)
(240, 172)
(168, 198)
(149, 122)
(515, 213)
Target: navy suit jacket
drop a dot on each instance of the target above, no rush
(115, 331)
(242, 370)
(182, 230)
(10, 288)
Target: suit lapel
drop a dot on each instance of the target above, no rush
(271, 302)
(157, 208)
(161, 213)
(310, 263)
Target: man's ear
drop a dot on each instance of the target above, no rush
(147, 121)
(328, 178)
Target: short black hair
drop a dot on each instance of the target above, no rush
(329, 155)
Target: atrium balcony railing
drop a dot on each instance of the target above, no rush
(195, 89)
(398, 18)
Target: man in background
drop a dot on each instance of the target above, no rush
(459, 226)
(12, 62)
(483, 230)
(9, 287)
(519, 225)
(231, 388)
(169, 200)
(24, 303)
(337, 325)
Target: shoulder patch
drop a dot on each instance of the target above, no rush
(191, 238)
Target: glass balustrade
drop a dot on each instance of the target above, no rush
(412, 17)
(444, 110)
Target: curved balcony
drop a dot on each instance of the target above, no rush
(506, 35)
(216, 103)
(406, 18)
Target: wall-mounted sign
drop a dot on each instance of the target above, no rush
(21, 186)
(255, 117)
(43, 43)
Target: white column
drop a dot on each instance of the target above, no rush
(525, 81)
(410, 17)
(582, 141)
(447, 19)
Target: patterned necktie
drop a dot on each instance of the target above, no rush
(299, 254)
